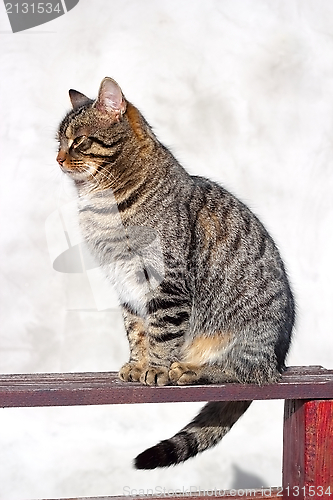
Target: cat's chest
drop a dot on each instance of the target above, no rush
(130, 256)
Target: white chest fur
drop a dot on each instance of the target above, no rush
(131, 257)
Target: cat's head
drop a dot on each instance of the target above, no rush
(91, 134)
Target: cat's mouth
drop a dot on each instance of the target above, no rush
(78, 172)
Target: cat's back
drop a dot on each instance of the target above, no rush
(222, 217)
(237, 266)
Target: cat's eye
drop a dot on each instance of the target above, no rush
(78, 141)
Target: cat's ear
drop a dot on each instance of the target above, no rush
(110, 98)
(78, 99)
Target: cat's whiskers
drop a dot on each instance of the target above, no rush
(95, 174)
(98, 174)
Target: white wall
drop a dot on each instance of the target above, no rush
(242, 92)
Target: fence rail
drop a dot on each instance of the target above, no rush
(73, 389)
(308, 418)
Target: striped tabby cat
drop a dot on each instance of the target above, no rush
(203, 290)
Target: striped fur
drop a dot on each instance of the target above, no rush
(203, 290)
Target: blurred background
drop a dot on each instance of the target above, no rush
(242, 92)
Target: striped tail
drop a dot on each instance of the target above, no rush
(206, 430)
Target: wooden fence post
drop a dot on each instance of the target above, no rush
(308, 449)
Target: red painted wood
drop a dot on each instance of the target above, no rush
(308, 449)
(68, 389)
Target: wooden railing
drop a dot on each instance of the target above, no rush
(307, 471)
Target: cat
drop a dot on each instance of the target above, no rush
(202, 287)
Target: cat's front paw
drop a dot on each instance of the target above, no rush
(183, 374)
(155, 375)
(148, 375)
(131, 372)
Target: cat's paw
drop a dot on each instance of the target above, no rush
(183, 374)
(157, 375)
(148, 375)
(131, 372)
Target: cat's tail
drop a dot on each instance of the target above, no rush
(206, 430)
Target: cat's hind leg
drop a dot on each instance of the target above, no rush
(202, 361)
(223, 358)
(188, 374)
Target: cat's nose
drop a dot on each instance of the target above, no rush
(61, 158)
